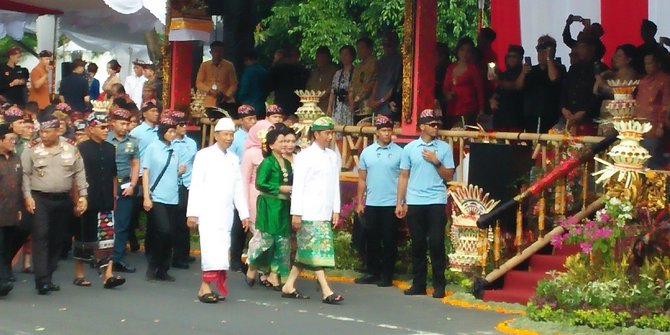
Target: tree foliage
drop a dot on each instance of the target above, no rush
(333, 23)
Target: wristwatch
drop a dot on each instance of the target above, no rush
(438, 164)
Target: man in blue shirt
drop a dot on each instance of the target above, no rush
(186, 149)
(161, 197)
(426, 164)
(378, 172)
(128, 169)
(246, 114)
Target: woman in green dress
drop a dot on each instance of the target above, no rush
(273, 221)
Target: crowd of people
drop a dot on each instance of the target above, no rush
(78, 171)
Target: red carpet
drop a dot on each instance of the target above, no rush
(519, 286)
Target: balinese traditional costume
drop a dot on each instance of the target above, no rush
(272, 218)
(315, 197)
(216, 190)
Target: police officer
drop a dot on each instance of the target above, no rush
(378, 172)
(426, 164)
(127, 168)
(186, 148)
(50, 169)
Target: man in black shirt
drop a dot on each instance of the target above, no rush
(541, 86)
(13, 79)
(74, 87)
(287, 77)
(579, 106)
(95, 239)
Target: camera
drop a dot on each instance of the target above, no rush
(341, 94)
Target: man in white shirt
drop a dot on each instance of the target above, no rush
(216, 191)
(315, 206)
(135, 82)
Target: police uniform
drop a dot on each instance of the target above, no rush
(48, 178)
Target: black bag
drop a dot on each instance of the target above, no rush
(183, 198)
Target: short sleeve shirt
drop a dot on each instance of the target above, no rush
(425, 186)
(145, 135)
(127, 149)
(382, 165)
(186, 149)
(167, 189)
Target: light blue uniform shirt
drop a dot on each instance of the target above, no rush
(425, 186)
(145, 135)
(239, 138)
(155, 157)
(186, 149)
(383, 167)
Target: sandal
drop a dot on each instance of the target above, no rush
(113, 282)
(209, 298)
(81, 281)
(332, 299)
(294, 295)
(266, 283)
(250, 281)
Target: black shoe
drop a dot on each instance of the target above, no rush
(165, 277)
(151, 275)
(415, 291)
(43, 289)
(11, 278)
(53, 287)
(120, 266)
(385, 283)
(5, 287)
(190, 259)
(438, 292)
(180, 265)
(367, 279)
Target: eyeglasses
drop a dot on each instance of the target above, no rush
(433, 124)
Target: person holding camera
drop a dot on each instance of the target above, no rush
(595, 29)
(338, 104)
(39, 80)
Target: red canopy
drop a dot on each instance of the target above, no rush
(23, 8)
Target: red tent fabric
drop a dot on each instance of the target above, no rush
(23, 8)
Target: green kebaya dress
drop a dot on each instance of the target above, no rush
(272, 249)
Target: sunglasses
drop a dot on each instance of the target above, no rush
(432, 124)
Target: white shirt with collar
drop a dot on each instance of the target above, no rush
(316, 184)
(134, 86)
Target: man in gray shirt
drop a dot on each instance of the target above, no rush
(50, 168)
(385, 98)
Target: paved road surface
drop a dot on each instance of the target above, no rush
(141, 307)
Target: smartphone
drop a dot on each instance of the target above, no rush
(558, 60)
(527, 61)
(664, 40)
(586, 22)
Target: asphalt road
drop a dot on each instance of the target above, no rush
(141, 307)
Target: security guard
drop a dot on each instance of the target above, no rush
(127, 168)
(50, 169)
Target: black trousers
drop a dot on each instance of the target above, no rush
(19, 237)
(427, 225)
(49, 226)
(161, 226)
(182, 241)
(6, 238)
(381, 230)
(237, 239)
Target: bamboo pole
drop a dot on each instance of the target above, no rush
(368, 130)
(541, 243)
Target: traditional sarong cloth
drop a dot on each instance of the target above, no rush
(220, 277)
(95, 239)
(315, 244)
(268, 252)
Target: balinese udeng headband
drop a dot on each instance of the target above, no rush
(382, 121)
(427, 116)
(245, 110)
(323, 123)
(51, 122)
(120, 114)
(274, 109)
(64, 107)
(97, 118)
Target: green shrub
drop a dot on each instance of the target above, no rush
(657, 321)
(603, 319)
